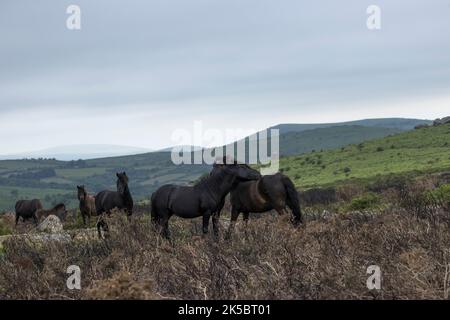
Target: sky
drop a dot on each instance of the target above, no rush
(138, 71)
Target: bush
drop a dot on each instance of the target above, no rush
(325, 259)
(442, 195)
(365, 201)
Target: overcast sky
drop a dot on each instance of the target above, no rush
(138, 70)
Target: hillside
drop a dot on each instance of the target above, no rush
(402, 124)
(416, 151)
(294, 143)
(55, 181)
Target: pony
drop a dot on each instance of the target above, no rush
(87, 204)
(59, 210)
(26, 209)
(202, 199)
(107, 200)
(269, 192)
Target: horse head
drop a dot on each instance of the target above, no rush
(238, 170)
(82, 194)
(122, 182)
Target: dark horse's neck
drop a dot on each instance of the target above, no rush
(217, 185)
(126, 197)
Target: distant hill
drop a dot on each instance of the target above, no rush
(292, 143)
(75, 152)
(413, 152)
(393, 123)
(55, 181)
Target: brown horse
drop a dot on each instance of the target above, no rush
(270, 192)
(59, 210)
(87, 204)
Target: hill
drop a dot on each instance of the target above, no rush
(402, 124)
(418, 151)
(75, 152)
(55, 181)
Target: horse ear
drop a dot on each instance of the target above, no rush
(117, 174)
(124, 173)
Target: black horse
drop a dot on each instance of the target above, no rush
(107, 200)
(270, 192)
(202, 199)
(27, 209)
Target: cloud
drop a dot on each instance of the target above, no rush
(142, 69)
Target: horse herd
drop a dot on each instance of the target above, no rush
(250, 192)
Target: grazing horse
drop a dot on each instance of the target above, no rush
(27, 209)
(107, 200)
(59, 210)
(267, 193)
(87, 204)
(202, 199)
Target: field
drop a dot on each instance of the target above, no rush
(414, 152)
(384, 202)
(327, 258)
(55, 181)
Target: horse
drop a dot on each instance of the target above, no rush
(202, 199)
(59, 210)
(107, 200)
(87, 204)
(269, 192)
(26, 209)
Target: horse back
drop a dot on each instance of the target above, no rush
(28, 207)
(107, 200)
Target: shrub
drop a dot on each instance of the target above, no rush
(442, 195)
(325, 259)
(365, 201)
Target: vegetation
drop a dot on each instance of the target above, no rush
(414, 152)
(325, 259)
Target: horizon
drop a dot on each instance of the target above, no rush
(132, 77)
(35, 153)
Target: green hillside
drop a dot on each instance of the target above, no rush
(417, 151)
(294, 143)
(402, 124)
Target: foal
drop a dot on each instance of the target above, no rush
(87, 204)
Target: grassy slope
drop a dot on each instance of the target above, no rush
(418, 150)
(423, 150)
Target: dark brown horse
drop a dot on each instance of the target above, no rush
(202, 199)
(87, 204)
(107, 200)
(59, 210)
(270, 192)
(26, 209)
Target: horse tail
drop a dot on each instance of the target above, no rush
(292, 199)
(154, 210)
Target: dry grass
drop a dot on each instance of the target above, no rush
(326, 259)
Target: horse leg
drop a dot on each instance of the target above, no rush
(245, 217)
(164, 224)
(215, 220)
(35, 219)
(83, 216)
(101, 224)
(17, 219)
(98, 227)
(234, 216)
(206, 217)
